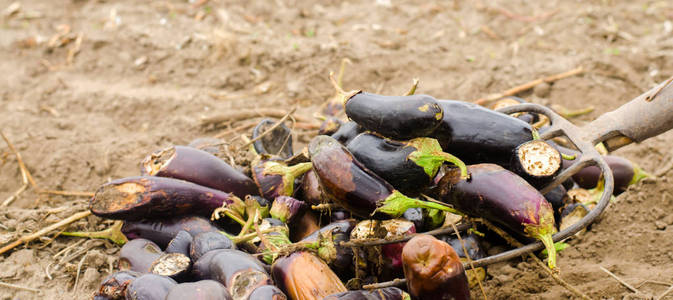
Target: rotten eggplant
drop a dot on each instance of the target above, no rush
(200, 290)
(267, 292)
(238, 271)
(303, 276)
(274, 178)
(276, 143)
(537, 162)
(162, 231)
(150, 287)
(389, 293)
(114, 286)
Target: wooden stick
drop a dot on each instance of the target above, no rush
(243, 114)
(28, 238)
(18, 287)
(528, 85)
(628, 286)
(68, 193)
(20, 161)
(469, 259)
(394, 282)
(670, 289)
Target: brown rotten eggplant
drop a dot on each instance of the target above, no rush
(433, 270)
(114, 286)
(329, 126)
(149, 287)
(150, 197)
(389, 293)
(164, 230)
(479, 135)
(238, 271)
(355, 187)
(200, 290)
(277, 143)
(408, 166)
(537, 162)
(200, 167)
(275, 178)
(303, 276)
(502, 197)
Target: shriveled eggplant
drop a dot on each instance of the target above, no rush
(537, 162)
(162, 231)
(342, 263)
(303, 276)
(408, 166)
(502, 197)
(206, 241)
(150, 287)
(238, 271)
(135, 198)
(200, 167)
(275, 178)
(114, 286)
(267, 292)
(347, 132)
(389, 293)
(180, 243)
(329, 126)
(287, 209)
(200, 290)
(277, 143)
(138, 255)
(433, 270)
(355, 187)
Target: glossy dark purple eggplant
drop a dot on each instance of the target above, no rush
(433, 270)
(114, 286)
(556, 198)
(302, 275)
(502, 197)
(624, 171)
(536, 161)
(180, 243)
(478, 135)
(206, 241)
(200, 167)
(275, 178)
(329, 126)
(238, 271)
(150, 197)
(396, 117)
(408, 166)
(150, 287)
(276, 143)
(163, 231)
(267, 292)
(138, 255)
(389, 293)
(347, 132)
(354, 187)
(200, 290)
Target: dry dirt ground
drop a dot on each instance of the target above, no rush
(91, 87)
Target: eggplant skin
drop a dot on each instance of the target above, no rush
(162, 231)
(114, 286)
(479, 135)
(150, 287)
(267, 292)
(389, 293)
(200, 290)
(303, 276)
(180, 243)
(138, 255)
(347, 132)
(207, 241)
(622, 169)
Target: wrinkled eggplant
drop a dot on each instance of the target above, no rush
(310, 188)
(433, 270)
(238, 271)
(478, 135)
(138, 255)
(267, 292)
(200, 290)
(114, 286)
(408, 166)
(274, 178)
(200, 167)
(277, 143)
(329, 126)
(150, 287)
(347, 132)
(163, 231)
(396, 117)
(389, 293)
(624, 171)
(354, 187)
(537, 162)
(303, 276)
(340, 232)
(206, 241)
(180, 243)
(287, 209)
(135, 198)
(502, 197)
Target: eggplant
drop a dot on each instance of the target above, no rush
(355, 187)
(386, 259)
(310, 188)
(572, 214)
(433, 270)
(200, 290)
(163, 231)
(276, 143)
(206, 241)
(150, 287)
(502, 197)
(135, 198)
(342, 263)
(347, 132)
(537, 162)
(408, 166)
(114, 286)
(414, 215)
(556, 197)
(479, 135)
(173, 265)
(180, 243)
(267, 292)
(389, 293)
(303, 226)
(303, 276)
(274, 178)
(329, 126)
(474, 250)
(238, 271)
(624, 171)
(200, 167)
(396, 117)
(287, 209)
(138, 255)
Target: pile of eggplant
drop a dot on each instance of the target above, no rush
(298, 225)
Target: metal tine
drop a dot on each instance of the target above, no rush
(569, 172)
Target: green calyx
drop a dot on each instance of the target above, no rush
(535, 134)
(638, 174)
(430, 157)
(397, 203)
(436, 217)
(289, 173)
(543, 232)
(113, 234)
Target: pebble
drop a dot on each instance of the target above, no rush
(660, 225)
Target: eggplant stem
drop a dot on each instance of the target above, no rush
(412, 90)
(227, 212)
(113, 233)
(638, 174)
(536, 135)
(246, 237)
(551, 250)
(568, 157)
(458, 163)
(343, 95)
(397, 203)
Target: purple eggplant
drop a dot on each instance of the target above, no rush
(267, 292)
(389, 293)
(163, 231)
(502, 197)
(303, 276)
(135, 198)
(310, 188)
(150, 287)
(114, 286)
(200, 290)
(342, 263)
(433, 270)
(304, 225)
(347, 132)
(200, 167)
(275, 178)
(355, 187)
(180, 243)
(624, 171)
(277, 143)
(138, 255)
(287, 209)
(238, 271)
(537, 162)
(206, 241)
(329, 126)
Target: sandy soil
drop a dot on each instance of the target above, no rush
(147, 72)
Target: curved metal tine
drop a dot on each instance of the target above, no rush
(570, 231)
(558, 123)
